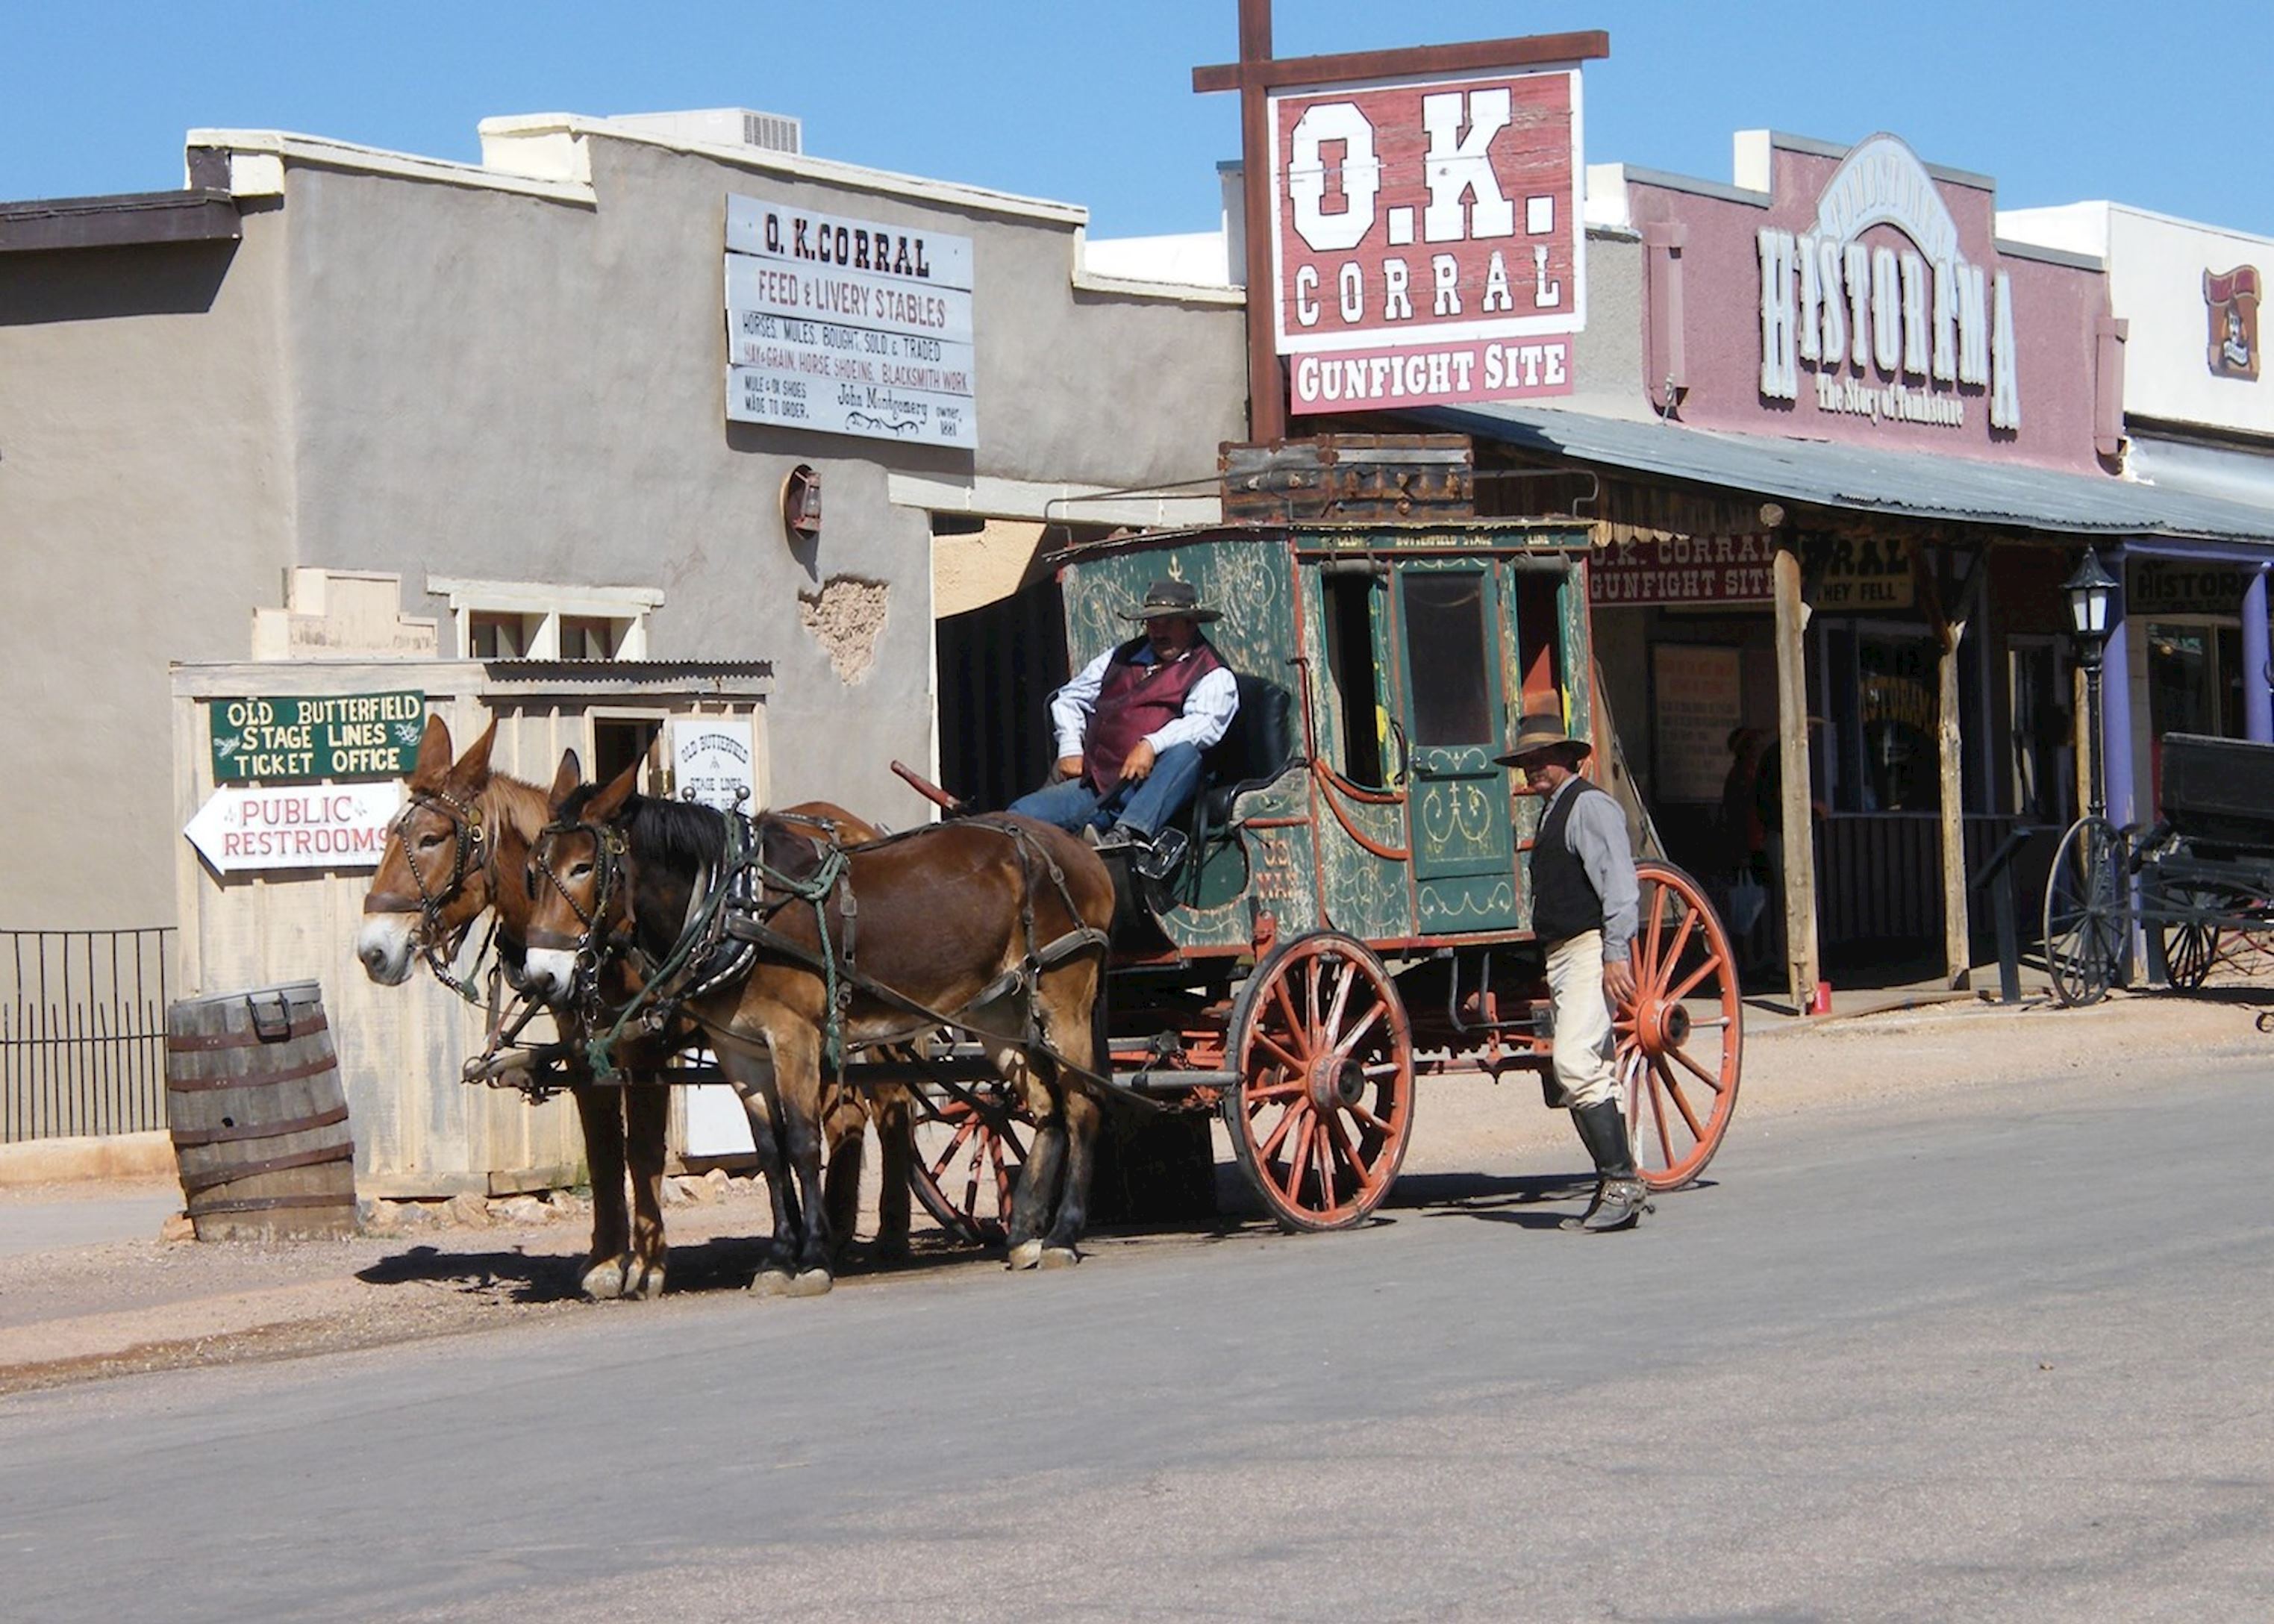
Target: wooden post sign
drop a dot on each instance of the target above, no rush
(290, 740)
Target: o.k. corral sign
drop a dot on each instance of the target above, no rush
(850, 326)
(1427, 239)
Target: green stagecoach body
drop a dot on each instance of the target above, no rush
(1410, 652)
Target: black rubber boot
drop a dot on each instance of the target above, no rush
(1620, 1200)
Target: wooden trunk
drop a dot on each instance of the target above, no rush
(259, 1121)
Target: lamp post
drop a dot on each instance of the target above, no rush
(2089, 590)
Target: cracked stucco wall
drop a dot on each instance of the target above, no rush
(845, 617)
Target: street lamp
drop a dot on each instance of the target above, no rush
(2090, 593)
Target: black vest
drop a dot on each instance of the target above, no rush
(1564, 900)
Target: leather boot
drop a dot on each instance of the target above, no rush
(1620, 1200)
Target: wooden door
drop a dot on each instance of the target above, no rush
(1448, 637)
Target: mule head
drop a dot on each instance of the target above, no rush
(579, 892)
(434, 873)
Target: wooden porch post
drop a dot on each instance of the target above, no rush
(1799, 833)
(1957, 939)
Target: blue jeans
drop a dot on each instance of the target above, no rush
(1144, 806)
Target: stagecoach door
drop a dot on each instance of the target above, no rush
(1448, 636)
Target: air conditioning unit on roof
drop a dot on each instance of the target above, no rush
(721, 126)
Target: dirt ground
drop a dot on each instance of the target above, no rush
(80, 1312)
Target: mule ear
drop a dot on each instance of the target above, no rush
(566, 780)
(471, 774)
(610, 801)
(434, 763)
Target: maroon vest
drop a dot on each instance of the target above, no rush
(1133, 701)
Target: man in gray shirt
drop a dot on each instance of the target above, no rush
(1583, 907)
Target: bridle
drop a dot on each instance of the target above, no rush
(591, 947)
(467, 839)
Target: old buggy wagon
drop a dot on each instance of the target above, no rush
(2196, 884)
(1350, 911)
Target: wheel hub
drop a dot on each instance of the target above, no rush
(1661, 1025)
(1336, 1082)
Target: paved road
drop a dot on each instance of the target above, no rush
(1896, 1364)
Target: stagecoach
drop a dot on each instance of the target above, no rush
(1350, 913)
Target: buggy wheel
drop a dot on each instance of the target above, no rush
(1324, 1108)
(968, 1161)
(2084, 912)
(2190, 948)
(1682, 1038)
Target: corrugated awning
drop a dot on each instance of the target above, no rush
(1914, 484)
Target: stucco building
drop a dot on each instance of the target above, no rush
(395, 405)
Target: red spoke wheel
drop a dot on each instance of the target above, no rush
(967, 1161)
(1682, 1039)
(1324, 1108)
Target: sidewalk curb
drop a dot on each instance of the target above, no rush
(70, 1160)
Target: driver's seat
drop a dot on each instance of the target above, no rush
(1260, 745)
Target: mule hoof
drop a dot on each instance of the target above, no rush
(1059, 1257)
(813, 1283)
(1026, 1254)
(603, 1282)
(645, 1283)
(771, 1283)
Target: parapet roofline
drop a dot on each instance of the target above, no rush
(509, 128)
(543, 155)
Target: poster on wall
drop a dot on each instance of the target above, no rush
(1427, 239)
(712, 762)
(850, 326)
(1699, 699)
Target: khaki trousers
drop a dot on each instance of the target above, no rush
(1585, 1047)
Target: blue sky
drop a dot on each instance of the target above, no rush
(1091, 103)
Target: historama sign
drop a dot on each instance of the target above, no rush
(1862, 294)
(1426, 239)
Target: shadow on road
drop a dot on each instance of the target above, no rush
(722, 1263)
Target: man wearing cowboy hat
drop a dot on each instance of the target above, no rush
(1583, 907)
(1131, 727)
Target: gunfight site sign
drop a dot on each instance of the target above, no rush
(1428, 240)
(299, 739)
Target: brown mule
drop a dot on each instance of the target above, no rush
(998, 924)
(459, 848)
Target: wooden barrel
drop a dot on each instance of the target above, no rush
(259, 1122)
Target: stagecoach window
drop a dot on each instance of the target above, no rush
(1351, 667)
(1446, 655)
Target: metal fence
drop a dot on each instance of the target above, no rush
(82, 1032)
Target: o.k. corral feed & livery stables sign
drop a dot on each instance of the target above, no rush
(849, 327)
(1426, 239)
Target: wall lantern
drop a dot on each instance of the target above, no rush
(2088, 590)
(800, 502)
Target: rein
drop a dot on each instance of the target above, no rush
(664, 991)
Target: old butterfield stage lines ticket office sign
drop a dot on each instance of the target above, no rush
(849, 327)
(334, 736)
